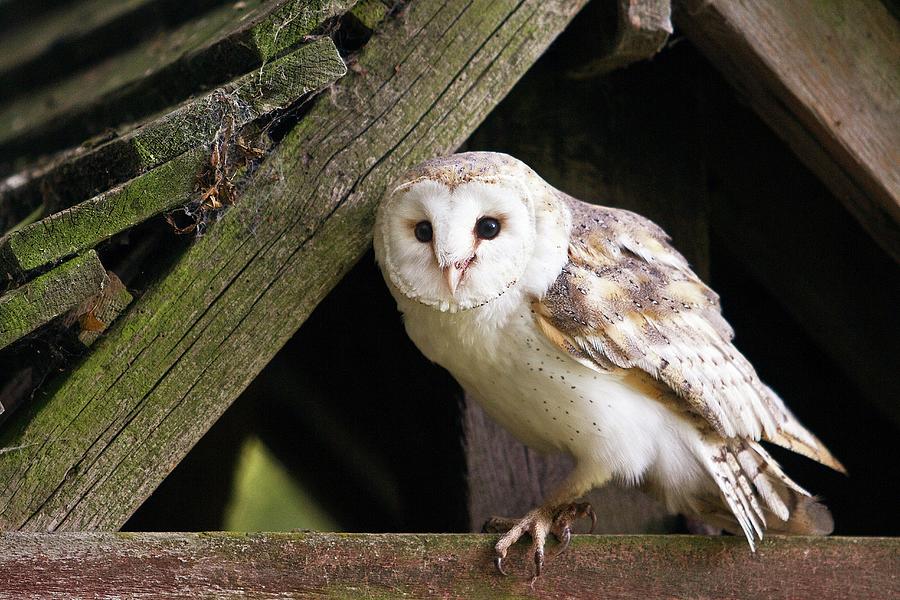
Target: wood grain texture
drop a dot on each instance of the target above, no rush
(91, 448)
(311, 565)
(826, 77)
(27, 307)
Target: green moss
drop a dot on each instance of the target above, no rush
(370, 13)
(37, 302)
(289, 24)
(89, 223)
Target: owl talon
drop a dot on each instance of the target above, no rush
(498, 562)
(566, 537)
(538, 562)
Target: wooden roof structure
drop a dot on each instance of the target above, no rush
(266, 130)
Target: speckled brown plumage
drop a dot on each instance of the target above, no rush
(628, 299)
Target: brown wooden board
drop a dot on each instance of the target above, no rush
(826, 77)
(317, 565)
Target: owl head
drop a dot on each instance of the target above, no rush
(460, 231)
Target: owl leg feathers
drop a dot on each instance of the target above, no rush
(556, 516)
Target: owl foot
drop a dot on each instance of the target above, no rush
(538, 523)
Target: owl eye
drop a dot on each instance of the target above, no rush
(487, 228)
(423, 231)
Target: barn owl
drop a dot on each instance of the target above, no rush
(581, 330)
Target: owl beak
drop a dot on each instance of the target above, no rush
(454, 272)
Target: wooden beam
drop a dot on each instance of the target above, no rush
(44, 298)
(89, 223)
(826, 77)
(167, 370)
(197, 122)
(188, 129)
(203, 53)
(57, 43)
(315, 565)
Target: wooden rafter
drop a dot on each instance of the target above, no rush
(826, 77)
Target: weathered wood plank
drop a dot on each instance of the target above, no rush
(29, 306)
(180, 137)
(196, 122)
(315, 565)
(55, 44)
(826, 77)
(201, 54)
(99, 441)
(89, 223)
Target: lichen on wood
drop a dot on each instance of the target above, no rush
(89, 223)
(195, 123)
(25, 308)
(185, 350)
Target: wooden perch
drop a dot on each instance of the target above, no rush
(194, 124)
(144, 396)
(826, 78)
(203, 53)
(316, 565)
(29, 306)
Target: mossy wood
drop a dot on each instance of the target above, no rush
(194, 124)
(190, 130)
(201, 54)
(97, 313)
(25, 308)
(91, 447)
(826, 77)
(313, 565)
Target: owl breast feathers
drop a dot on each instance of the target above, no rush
(580, 318)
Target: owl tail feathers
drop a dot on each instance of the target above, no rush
(756, 496)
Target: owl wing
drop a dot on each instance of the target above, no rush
(628, 299)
